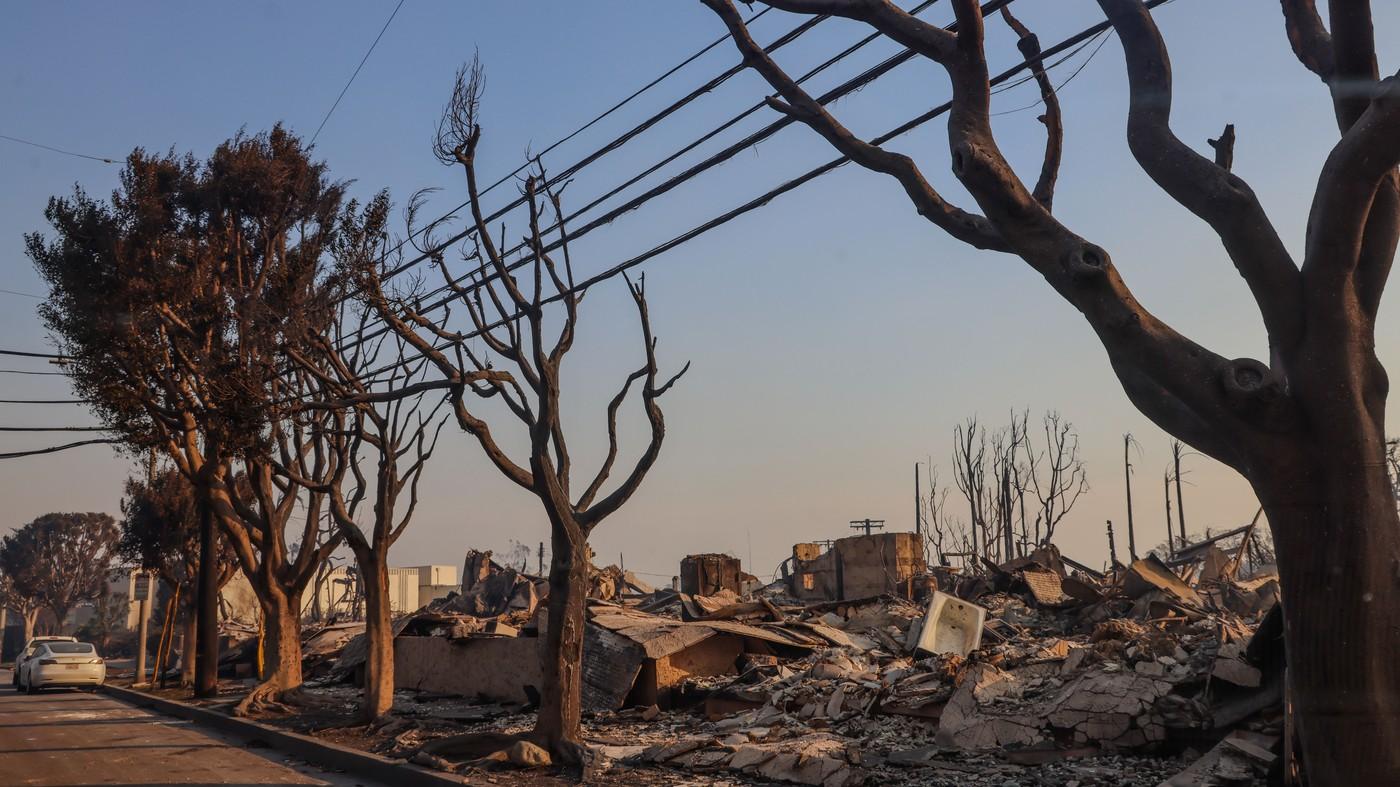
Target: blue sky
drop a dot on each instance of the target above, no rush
(835, 337)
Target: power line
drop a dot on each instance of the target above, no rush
(351, 81)
(53, 429)
(36, 355)
(56, 448)
(33, 144)
(25, 294)
(25, 371)
(44, 401)
(1103, 39)
(787, 186)
(850, 85)
(610, 146)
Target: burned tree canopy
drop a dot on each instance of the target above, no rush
(61, 559)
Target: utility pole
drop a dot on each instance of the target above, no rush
(206, 662)
(867, 525)
(541, 558)
(1167, 497)
(143, 594)
(1180, 509)
(1128, 484)
(918, 505)
(1008, 538)
(1112, 550)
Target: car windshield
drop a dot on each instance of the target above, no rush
(65, 648)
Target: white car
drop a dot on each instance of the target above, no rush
(62, 664)
(30, 648)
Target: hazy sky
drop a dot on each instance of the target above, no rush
(836, 338)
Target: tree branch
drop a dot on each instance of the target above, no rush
(1029, 45)
(967, 227)
(1208, 190)
(1311, 42)
(931, 41)
(1359, 166)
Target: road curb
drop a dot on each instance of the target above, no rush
(316, 752)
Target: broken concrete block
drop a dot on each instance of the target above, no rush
(951, 626)
(749, 757)
(1150, 668)
(1236, 672)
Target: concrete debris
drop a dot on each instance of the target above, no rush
(1037, 667)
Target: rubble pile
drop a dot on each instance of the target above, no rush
(1036, 670)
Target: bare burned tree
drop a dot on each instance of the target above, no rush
(1306, 428)
(377, 418)
(945, 534)
(510, 317)
(970, 476)
(1058, 476)
(1009, 478)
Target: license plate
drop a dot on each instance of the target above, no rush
(71, 666)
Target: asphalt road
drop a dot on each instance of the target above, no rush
(68, 738)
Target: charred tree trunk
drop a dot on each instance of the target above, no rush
(31, 618)
(281, 653)
(206, 678)
(1338, 540)
(557, 727)
(60, 617)
(379, 634)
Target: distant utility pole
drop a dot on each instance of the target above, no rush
(867, 525)
(918, 504)
(1128, 484)
(1112, 550)
(1167, 498)
(541, 558)
(1180, 509)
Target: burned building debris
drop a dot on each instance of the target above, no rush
(859, 664)
(711, 574)
(855, 567)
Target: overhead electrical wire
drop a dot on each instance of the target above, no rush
(351, 81)
(53, 149)
(607, 147)
(36, 355)
(597, 153)
(728, 216)
(56, 448)
(54, 429)
(850, 85)
(790, 185)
